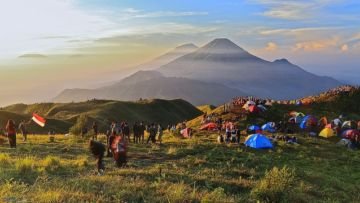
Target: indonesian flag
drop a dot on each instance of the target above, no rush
(39, 120)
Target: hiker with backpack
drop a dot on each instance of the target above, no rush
(11, 133)
(98, 150)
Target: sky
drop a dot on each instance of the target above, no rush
(49, 45)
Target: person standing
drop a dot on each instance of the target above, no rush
(136, 133)
(11, 133)
(142, 132)
(152, 133)
(95, 129)
(23, 129)
(126, 131)
(161, 132)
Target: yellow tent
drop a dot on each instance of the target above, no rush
(327, 132)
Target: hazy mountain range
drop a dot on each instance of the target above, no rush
(211, 74)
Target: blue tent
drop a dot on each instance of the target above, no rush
(258, 141)
(270, 127)
(254, 128)
(307, 119)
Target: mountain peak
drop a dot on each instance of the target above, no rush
(283, 61)
(186, 46)
(223, 45)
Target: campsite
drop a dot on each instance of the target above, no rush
(196, 169)
(179, 101)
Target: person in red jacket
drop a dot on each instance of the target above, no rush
(11, 133)
(119, 150)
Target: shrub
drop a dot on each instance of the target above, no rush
(80, 124)
(25, 166)
(275, 186)
(179, 193)
(51, 163)
(4, 160)
(218, 195)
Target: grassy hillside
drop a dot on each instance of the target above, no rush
(197, 170)
(61, 116)
(206, 108)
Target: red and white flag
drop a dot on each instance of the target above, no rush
(39, 120)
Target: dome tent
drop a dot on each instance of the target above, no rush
(258, 141)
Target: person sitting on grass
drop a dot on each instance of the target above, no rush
(98, 150)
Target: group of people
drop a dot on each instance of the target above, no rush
(119, 136)
(11, 129)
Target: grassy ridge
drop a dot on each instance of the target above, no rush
(61, 116)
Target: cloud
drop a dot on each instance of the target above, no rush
(293, 9)
(297, 31)
(271, 46)
(317, 45)
(344, 48)
(132, 13)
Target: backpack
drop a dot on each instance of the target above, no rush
(121, 147)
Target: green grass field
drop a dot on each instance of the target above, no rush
(196, 170)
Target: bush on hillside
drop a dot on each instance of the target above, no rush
(276, 186)
(80, 124)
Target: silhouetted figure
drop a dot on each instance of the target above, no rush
(11, 133)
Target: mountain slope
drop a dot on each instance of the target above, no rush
(168, 57)
(61, 116)
(151, 84)
(221, 61)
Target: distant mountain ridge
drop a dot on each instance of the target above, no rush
(152, 84)
(222, 61)
(211, 74)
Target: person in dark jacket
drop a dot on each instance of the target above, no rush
(11, 133)
(95, 129)
(126, 131)
(152, 132)
(98, 150)
(142, 132)
(136, 133)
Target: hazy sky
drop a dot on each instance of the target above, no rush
(82, 43)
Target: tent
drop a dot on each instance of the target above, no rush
(350, 134)
(258, 141)
(262, 107)
(348, 125)
(248, 104)
(254, 109)
(308, 121)
(254, 128)
(186, 133)
(295, 114)
(270, 127)
(327, 132)
(209, 126)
